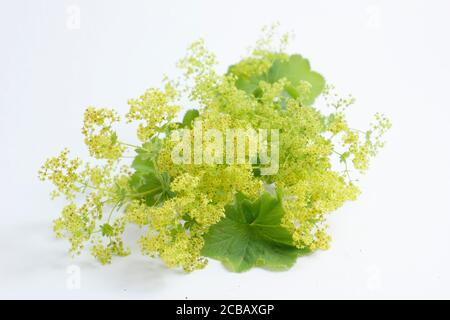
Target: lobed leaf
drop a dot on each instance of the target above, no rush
(251, 235)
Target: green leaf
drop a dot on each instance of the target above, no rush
(188, 222)
(107, 230)
(295, 69)
(344, 156)
(147, 155)
(251, 84)
(153, 186)
(114, 138)
(251, 235)
(148, 182)
(143, 165)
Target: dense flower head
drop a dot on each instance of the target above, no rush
(154, 111)
(180, 206)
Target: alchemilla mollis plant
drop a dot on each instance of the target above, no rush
(198, 192)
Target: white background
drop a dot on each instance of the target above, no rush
(392, 55)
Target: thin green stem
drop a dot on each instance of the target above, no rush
(86, 185)
(144, 193)
(357, 130)
(346, 171)
(128, 144)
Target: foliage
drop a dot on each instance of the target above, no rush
(189, 212)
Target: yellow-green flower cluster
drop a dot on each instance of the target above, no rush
(178, 224)
(114, 244)
(154, 111)
(76, 225)
(137, 212)
(181, 249)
